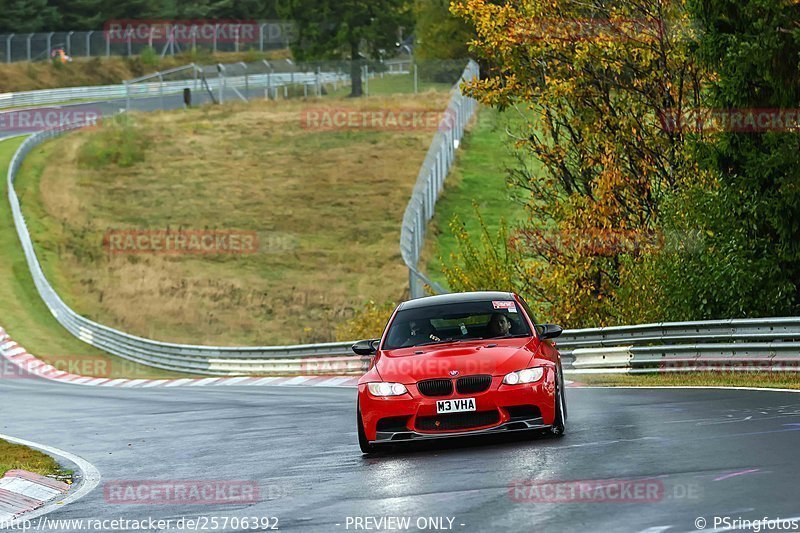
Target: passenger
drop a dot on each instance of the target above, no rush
(499, 325)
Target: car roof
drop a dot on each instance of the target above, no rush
(456, 297)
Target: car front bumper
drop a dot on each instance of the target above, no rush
(506, 408)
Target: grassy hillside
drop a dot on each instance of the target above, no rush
(326, 206)
(478, 177)
(24, 315)
(24, 76)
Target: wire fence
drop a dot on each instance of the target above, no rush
(430, 183)
(270, 35)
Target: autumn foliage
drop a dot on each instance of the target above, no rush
(593, 81)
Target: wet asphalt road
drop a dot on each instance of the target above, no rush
(711, 452)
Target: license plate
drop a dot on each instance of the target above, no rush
(459, 405)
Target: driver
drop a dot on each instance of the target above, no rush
(499, 325)
(421, 331)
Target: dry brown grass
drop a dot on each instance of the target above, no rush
(327, 204)
(24, 76)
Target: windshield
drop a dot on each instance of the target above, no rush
(435, 324)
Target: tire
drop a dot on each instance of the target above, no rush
(559, 422)
(363, 443)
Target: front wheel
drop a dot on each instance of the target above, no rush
(363, 443)
(559, 422)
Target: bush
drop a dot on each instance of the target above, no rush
(483, 262)
(149, 56)
(118, 142)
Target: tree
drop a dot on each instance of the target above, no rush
(351, 29)
(26, 16)
(590, 80)
(440, 35)
(751, 217)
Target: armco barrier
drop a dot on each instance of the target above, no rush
(766, 343)
(131, 90)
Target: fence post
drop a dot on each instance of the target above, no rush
(69, 43)
(269, 78)
(261, 37)
(8, 47)
(28, 45)
(161, 89)
(89, 44)
(50, 42)
(127, 96)
(221, 81)
(416, 79)
(216, 32)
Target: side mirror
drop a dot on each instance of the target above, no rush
(368, 347)
(549, 331)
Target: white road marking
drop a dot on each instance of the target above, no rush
(90, 479)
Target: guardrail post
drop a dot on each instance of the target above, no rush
(221, 81)
(216, 32)
(269, 78)
(8, 47)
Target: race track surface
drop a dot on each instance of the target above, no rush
(713, 453)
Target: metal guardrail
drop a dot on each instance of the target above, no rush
(170, 356)
(430, 182)
(139, 90)
(759, 344)
(197, 77)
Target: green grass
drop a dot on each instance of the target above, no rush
(27, 319)
(780, 380)
(18, 457)
(478, 176)
(392, 84)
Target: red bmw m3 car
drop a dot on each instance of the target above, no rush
(460, 364)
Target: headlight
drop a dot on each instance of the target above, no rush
(386, 389)
(529, 375)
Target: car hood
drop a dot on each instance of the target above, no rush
(495, 358)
